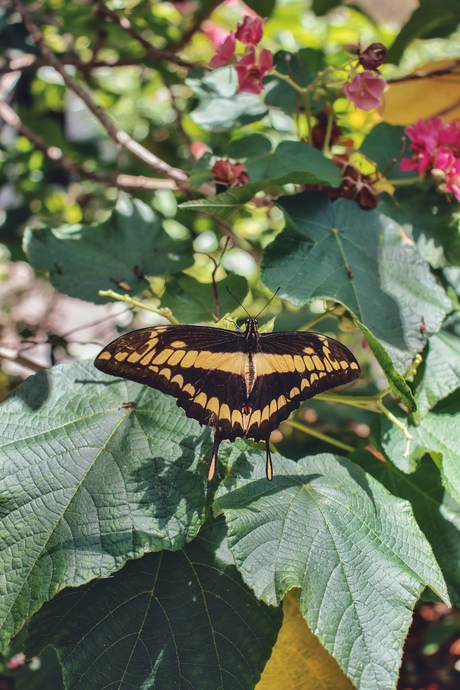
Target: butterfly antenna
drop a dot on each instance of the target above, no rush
(237, 300)
(264, 307)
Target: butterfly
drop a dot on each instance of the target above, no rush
(240, 384)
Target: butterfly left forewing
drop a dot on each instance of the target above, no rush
(202, 367)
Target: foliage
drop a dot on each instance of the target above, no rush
(129, 166)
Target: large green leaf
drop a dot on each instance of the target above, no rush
(437, 434)
(170, 620)
(193, 302)
(441, 375)
(425, 492)
(356, 551)
(432, 19)
(361, 259)
(426, 217)
(88, 483)
(291, 162)
(115, 254)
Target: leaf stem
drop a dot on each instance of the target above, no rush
(162, 311)
(320, 435)
(399, 424)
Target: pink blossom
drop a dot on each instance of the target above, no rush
(424, 135)
(420, 162)
(252, 69)
(365, 90)
(453, 180)
(250, 31)
(215, 32)
(225, 52)
(198, 149)
(444, 158)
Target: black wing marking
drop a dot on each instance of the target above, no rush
(290, 368)
(202, 367)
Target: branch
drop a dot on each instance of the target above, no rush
(118, 136)
(13, 356)
(33, 64)
(198, 21)
(154, 53)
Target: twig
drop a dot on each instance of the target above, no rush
(13, 356)
(35, 63)
(155, 53)
(201, 17)
(118, 136)
(162, 311)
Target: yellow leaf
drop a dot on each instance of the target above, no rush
(435, 91)
(298, 661)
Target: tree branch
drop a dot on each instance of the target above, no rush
(118, 136)
(152, 52)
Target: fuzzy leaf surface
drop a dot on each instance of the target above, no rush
(114, 255)
(181, 619)
(88, 483)
(325, 526)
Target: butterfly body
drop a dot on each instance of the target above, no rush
(240, 384)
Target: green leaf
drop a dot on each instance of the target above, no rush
(290, 163)
(88, 483)
(426, 217)
(385, 145)
(424, 490)
(441, 375)
(221, 108)
(170, 620)
(264, 8)
(434, 18)
(361, 259)
(356, 551)
(394, 378)
(193, 302)
(117, 253)
(201, 171)
(321, 7)
(437, 435)
(302, 67)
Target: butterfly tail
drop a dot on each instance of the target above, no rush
(214, 458)
(269, 466)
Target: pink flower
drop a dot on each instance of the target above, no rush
(420, 162)
(252, 69)
(250, 31)
(216, 33)
(365, 90)
(453, 180)
(225, 52)
(198, 149)
(444, 158)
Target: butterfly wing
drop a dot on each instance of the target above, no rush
(202, 367)
(290, 368)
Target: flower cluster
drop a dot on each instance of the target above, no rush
(254, 64)
(436, 147)
(365, 89)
